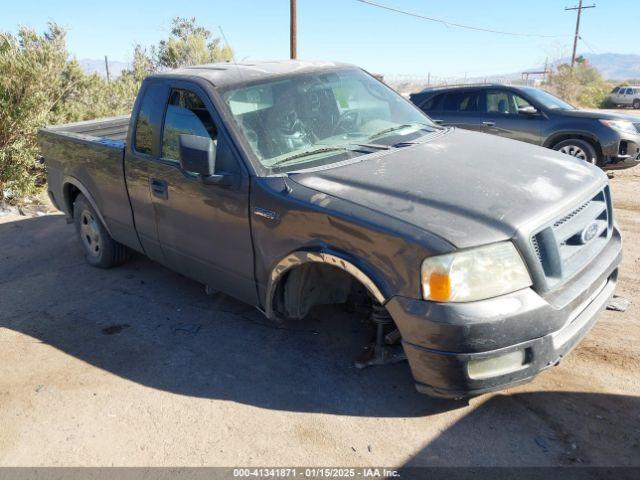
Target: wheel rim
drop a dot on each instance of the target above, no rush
(90, 234)
(575, 151)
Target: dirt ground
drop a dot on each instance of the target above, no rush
(136, 366)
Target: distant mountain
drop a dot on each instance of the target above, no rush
(612, 66)
(90, 65)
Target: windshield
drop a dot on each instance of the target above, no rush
(548, 100)
(319, 118)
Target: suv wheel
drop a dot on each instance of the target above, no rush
(578, 148)
(636, 104)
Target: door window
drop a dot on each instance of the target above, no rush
(500, 102)
(520, 102)
(433, 103)
(186, 114)
(463, 101)
(505, 102)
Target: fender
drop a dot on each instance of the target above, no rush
(69, 206)
(563, 133)
(301, 257)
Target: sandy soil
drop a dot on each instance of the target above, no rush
(136, 366)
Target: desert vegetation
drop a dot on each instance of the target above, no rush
(42, 84)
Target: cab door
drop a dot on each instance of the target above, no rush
(203, 229)
(140, 162)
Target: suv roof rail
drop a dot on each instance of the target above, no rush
(476, 84)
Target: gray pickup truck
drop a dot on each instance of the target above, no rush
(294, 184)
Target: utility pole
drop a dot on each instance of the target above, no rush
(294, 30)
(106, 66)
(579, 8)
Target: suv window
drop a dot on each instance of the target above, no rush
(433, 103)
(186, 114)
(462, 101)
(520, 102)
(505, 102)
(499, 102)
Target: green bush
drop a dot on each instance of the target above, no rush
(582, 85)
(41, 85)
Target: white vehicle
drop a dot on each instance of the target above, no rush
(625, 96)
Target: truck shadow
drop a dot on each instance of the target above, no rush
(149, 325)
(541, 429)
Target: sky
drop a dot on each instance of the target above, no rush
(381, 41)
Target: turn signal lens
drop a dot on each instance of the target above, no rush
(440, 287)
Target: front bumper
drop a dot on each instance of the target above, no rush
(441, 339)
(622, 152)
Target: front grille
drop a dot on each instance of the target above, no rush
(569, 242)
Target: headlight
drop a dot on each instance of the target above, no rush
(620, 125)
(474, 274)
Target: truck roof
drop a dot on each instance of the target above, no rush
(229, 73)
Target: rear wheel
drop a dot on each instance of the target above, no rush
(579, 149)
(100, 249)
(636, 103)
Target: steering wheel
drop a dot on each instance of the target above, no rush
(346, 122)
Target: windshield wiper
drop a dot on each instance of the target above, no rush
(347, 148)
(373, 146)
(307, 153)
(397, 127)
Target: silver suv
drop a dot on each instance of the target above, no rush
(625, 96)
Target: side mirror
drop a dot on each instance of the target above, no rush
(528, 110)
(197, 154)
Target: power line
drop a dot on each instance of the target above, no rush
(458, 25)
(593, 50)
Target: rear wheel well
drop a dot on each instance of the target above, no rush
(70, 193)
(577, 136)
(312, 284)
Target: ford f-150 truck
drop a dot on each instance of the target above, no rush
(294, 184)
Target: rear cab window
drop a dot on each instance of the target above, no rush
(148, 118)
(144, 131)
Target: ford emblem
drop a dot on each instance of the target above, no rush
(589, 232)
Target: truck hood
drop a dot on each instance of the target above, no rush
(466, 187)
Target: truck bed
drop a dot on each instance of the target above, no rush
(112, 129)
(89, 157)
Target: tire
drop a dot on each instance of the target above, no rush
(579, 149)
(636, 103)
(99, 248)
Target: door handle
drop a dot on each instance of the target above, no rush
(489, 124)
(437, 120)
(159, 188)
